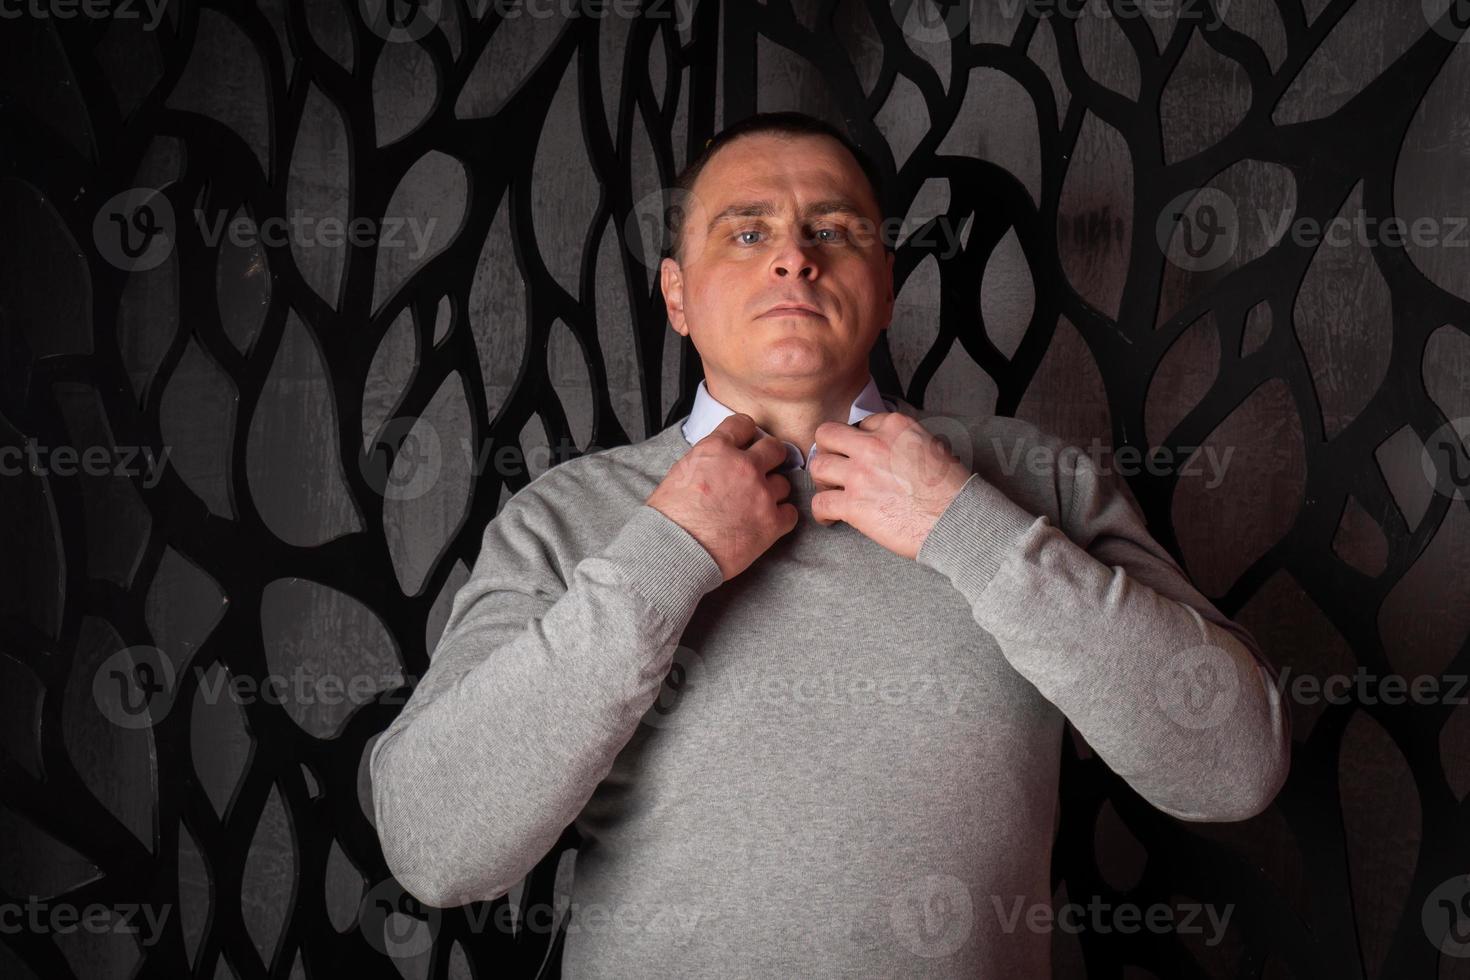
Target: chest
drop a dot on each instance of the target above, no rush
(829, 634)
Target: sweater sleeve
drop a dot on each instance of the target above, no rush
(1176, 698)
(532, 691)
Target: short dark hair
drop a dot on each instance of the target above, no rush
(784, 123)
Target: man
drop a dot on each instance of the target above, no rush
(870, 644)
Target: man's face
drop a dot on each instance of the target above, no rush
(777, 221)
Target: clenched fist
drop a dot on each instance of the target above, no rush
(723, 493)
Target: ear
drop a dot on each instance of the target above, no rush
(671, 281)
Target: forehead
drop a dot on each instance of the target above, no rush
(770, 166)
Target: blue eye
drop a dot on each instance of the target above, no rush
(740, 236)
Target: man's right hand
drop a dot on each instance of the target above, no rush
(723, 493)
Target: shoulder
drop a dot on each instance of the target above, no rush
(577, 505)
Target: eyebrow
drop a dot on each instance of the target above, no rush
(764, 209)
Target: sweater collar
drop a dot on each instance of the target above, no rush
(708, 412)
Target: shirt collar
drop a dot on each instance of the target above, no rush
(708, 412)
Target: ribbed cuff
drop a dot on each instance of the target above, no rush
(976, 532)
(664, 563)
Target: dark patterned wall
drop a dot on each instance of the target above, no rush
(295, 295)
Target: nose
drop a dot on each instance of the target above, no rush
(793, 257)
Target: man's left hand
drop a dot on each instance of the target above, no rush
(890, 479)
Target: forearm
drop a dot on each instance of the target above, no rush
(522, 713)
(1171, 695)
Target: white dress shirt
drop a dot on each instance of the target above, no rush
(709, 412)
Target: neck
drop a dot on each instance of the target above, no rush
(791, 415)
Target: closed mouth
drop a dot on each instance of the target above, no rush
(792, 311)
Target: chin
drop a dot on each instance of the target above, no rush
(795, 360)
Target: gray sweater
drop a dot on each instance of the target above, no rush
(841, 763)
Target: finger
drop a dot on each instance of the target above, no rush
(739, 428)
(831, 469)
(836, 437)
(827, 507)
(791, 514)
(780, 486)
(768, 452)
